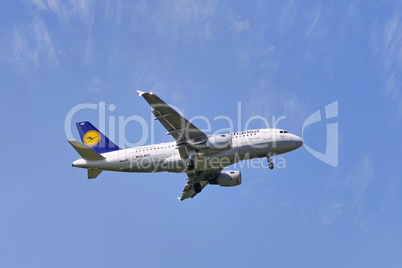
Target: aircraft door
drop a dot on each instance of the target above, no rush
(267, 134)
(123, 155)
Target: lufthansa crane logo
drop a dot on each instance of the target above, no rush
(91, 138)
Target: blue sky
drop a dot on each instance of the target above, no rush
(277, 58)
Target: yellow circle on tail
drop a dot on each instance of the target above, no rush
(92, 138)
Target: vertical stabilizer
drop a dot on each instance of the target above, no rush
(95, 139)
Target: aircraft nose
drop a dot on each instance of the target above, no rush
(297, 141)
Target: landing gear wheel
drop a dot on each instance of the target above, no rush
(197, 187)
(189, 164)
(271, 165)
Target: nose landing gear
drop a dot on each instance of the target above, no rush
(270, 163)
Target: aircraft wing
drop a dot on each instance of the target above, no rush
(176, 125)
(202, 177)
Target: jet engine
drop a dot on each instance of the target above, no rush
(218, 142)
(227, 179)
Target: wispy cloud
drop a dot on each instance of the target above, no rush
(365, 218)
(146, 75)
(44, 42)
(22, 53)
(115, 10)
(188, 20)
(350, 193)
(54, 6)
(287, 16)
(88, 53)
(387, 43)
(268, 101)
(82, 9)
(171, 20)
(330, 211)
(315, 27)
(96, 85)
(363, 175)
(240, 25)
(358, 183)
(33, 45)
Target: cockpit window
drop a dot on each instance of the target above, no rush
(283, 131)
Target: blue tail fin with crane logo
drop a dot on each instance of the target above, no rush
(95, 139)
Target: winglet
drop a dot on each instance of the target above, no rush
(140, 93)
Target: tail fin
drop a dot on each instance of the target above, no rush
(95, 139)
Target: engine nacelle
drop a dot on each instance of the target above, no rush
(218, 142)
(227, 178)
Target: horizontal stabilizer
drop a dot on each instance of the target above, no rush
(93, 173)
(85, 152)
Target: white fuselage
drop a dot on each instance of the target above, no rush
(165, 156)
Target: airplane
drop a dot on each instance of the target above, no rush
(202, 157)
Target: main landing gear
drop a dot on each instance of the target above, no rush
(190, 160)
(189, 164)
(270, 163)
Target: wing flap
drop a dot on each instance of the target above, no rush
(203, 177)
(188, 191)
